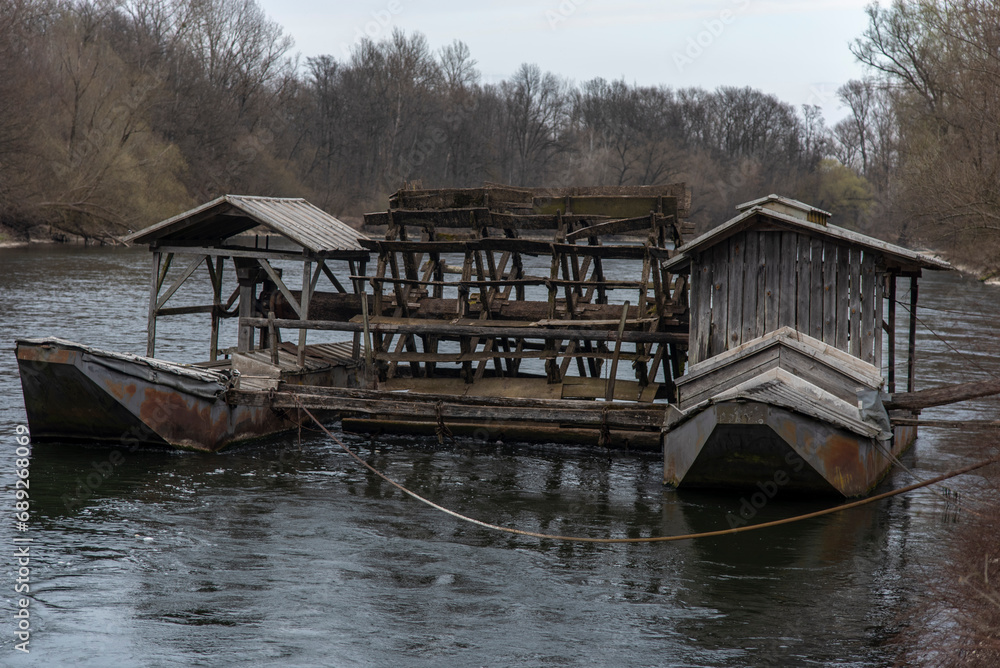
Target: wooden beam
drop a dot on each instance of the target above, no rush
(190, 269)
(292, 301)
(446, 329)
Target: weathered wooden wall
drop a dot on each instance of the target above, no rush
(758, 281)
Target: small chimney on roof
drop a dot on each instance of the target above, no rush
(788, 207)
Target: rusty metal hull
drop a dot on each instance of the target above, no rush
(74, 393)
(747, 445)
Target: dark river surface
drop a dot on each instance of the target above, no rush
(276, 554)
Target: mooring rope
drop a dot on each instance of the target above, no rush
(649, 539)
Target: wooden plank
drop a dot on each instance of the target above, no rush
(487, 355)
(524, 246)
(787, 294)
(843, 312)
(803, 278)
(760, 279)
(868, 315)
(772, 279)
(879, 285)
(830, 259)
(750, 283)
(720, 298)
(737, 279)
(708, 385)
(701, 308)
(855, 302)
(619, 226)
(816, 289)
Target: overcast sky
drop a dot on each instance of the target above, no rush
(794, 49)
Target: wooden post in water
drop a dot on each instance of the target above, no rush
(892, 333)
(912, 353)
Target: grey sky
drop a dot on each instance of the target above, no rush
(795, 49)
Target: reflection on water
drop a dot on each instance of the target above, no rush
(288, 554)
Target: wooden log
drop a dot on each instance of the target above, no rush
(940, 396)
(445, 329)
(911, 357)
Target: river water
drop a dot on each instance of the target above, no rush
(288, 554)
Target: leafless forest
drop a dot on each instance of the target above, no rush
(114, 114)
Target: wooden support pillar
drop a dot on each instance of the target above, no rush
(307, 285)
(609, 394)
(154, 291)
(892, 333)
(216, 275)
(911, 360)
(248, 278)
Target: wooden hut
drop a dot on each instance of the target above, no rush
(140, 400)
(786, 341)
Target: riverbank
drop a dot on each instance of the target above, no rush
(46, 234)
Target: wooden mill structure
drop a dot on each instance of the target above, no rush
(786, 352)
(545, 308)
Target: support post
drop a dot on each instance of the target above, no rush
(892, 333)
(911, 369)
(154, 291)
(247, 278)
(306, 296)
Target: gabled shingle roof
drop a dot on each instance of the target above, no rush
(294, 218)
(897, 256)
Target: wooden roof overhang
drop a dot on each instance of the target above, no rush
(896, 259)
(210, 228)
